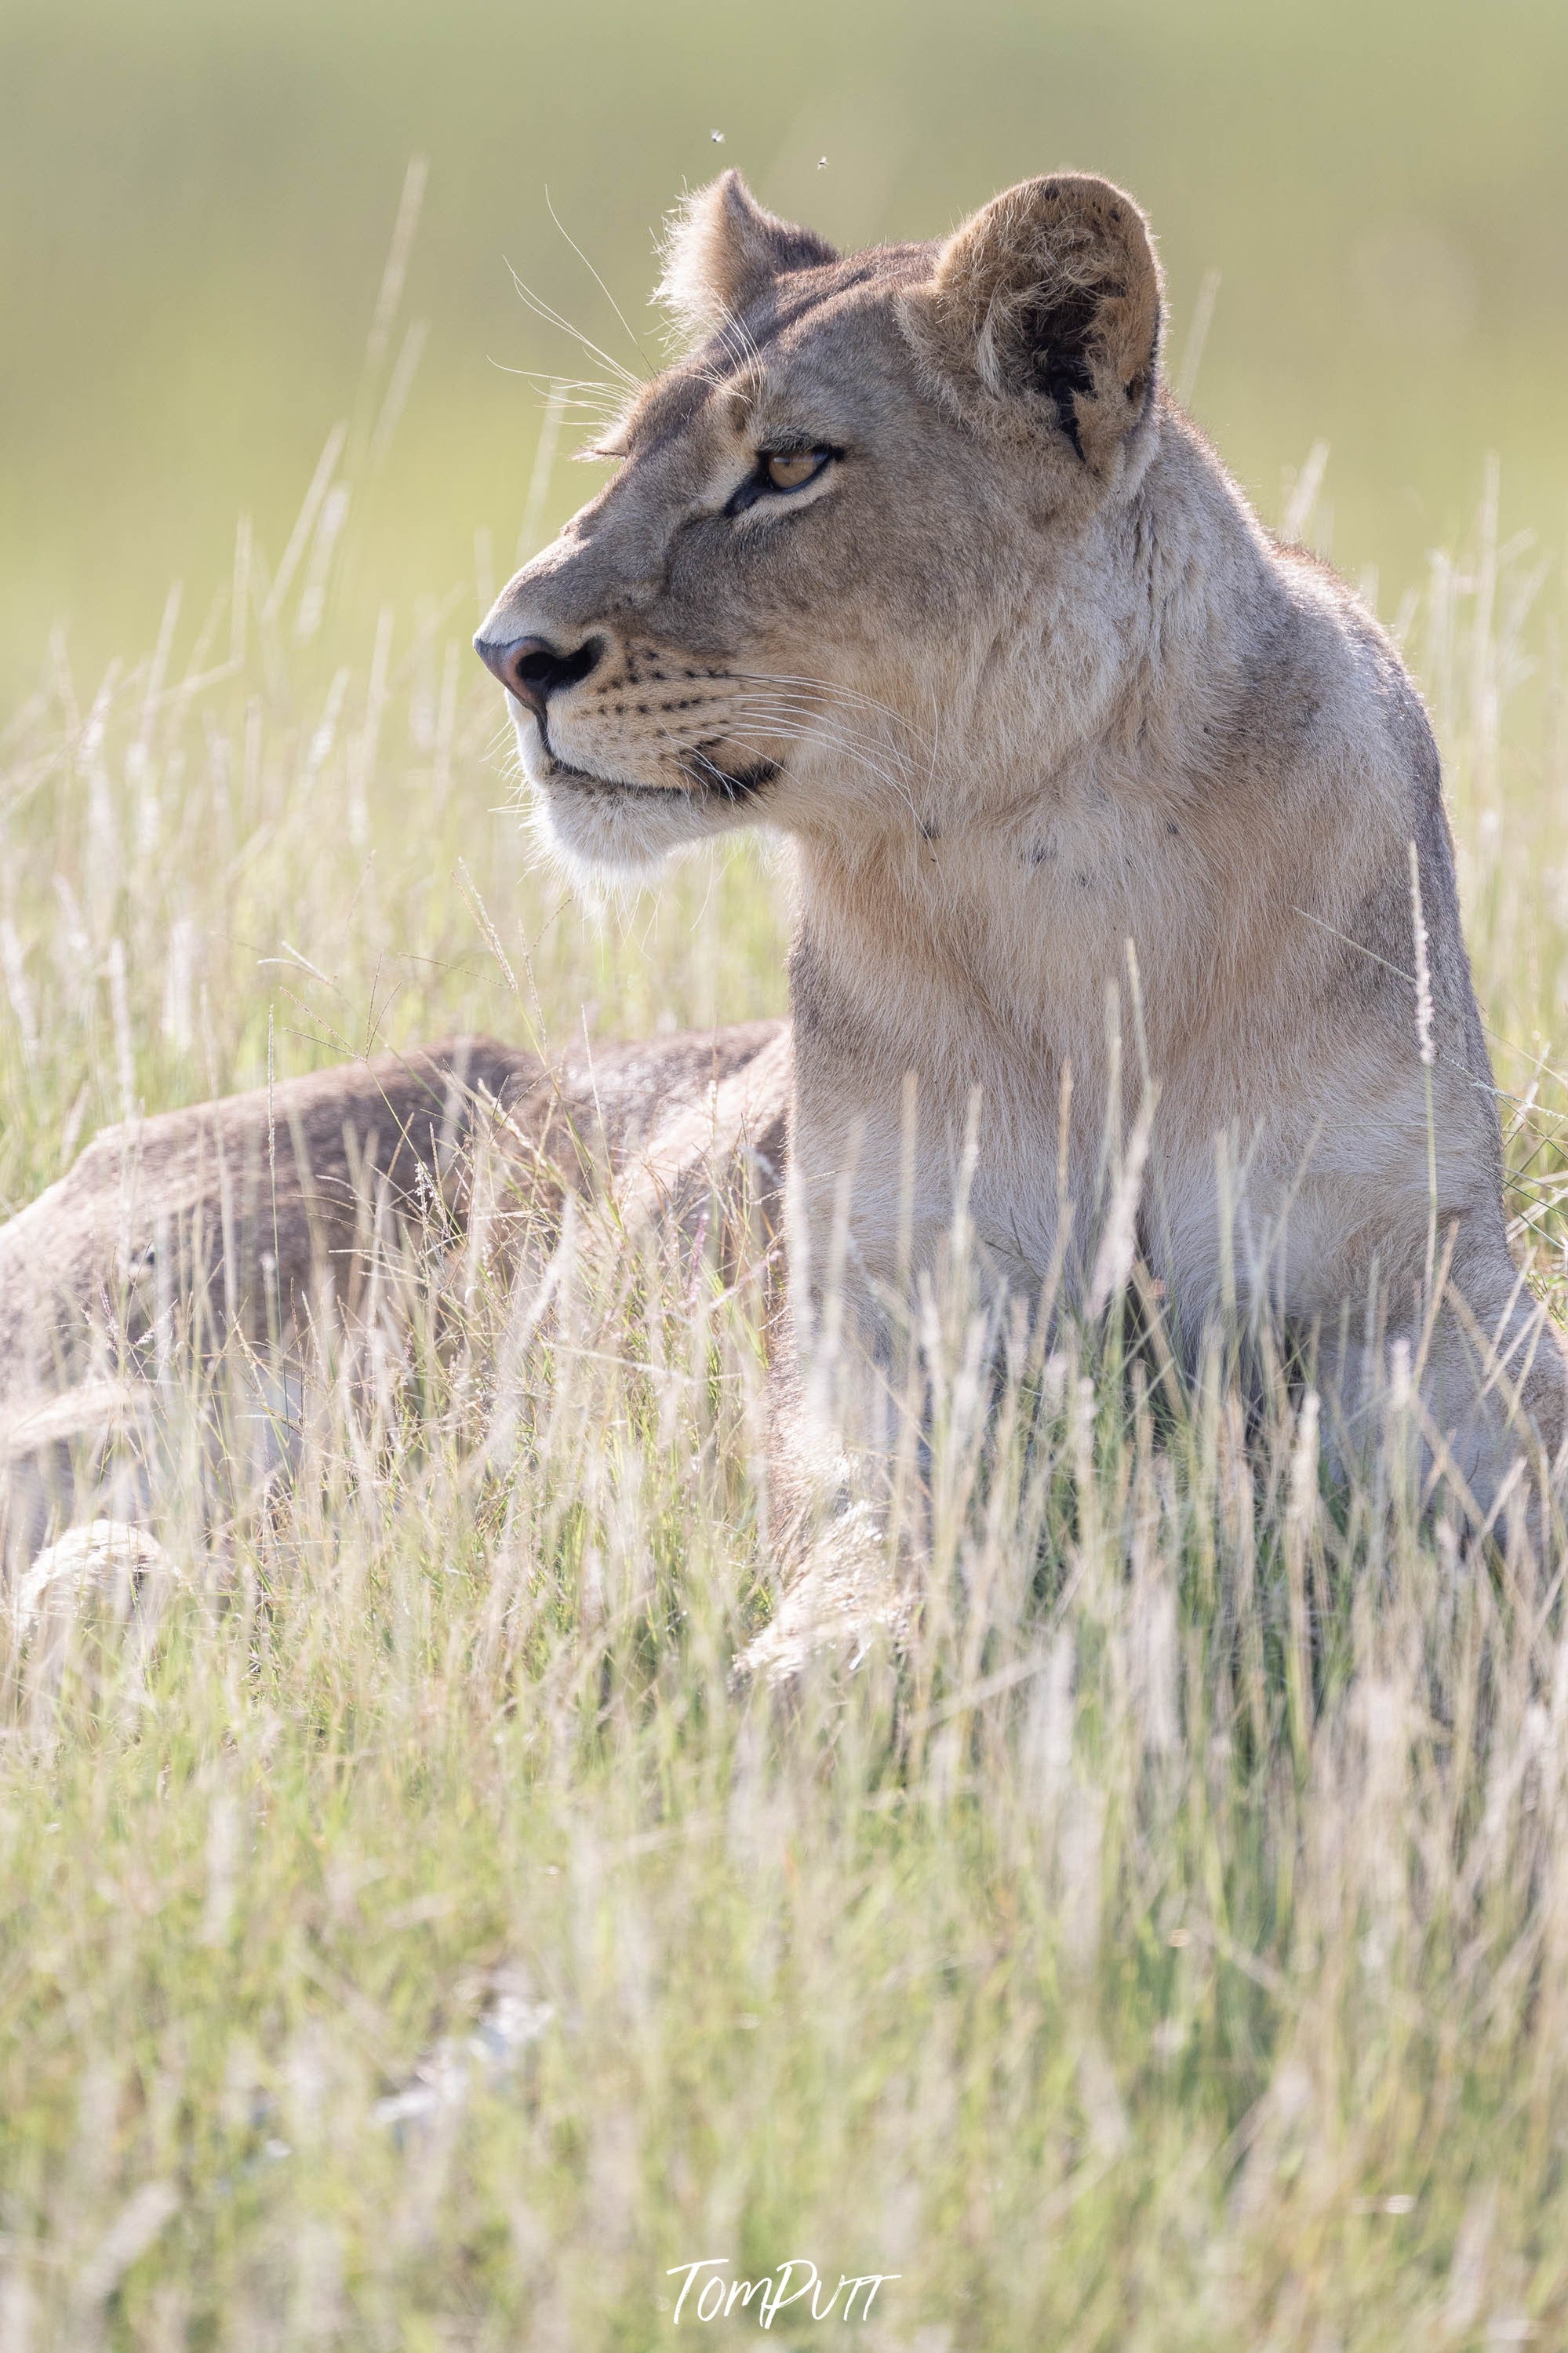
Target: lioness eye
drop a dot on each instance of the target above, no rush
(792, 469)
(780, 471)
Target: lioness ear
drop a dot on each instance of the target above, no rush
(1051, 294)
(721, 250)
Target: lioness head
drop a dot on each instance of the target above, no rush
(844, 521)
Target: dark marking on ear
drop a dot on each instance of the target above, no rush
(1056, 331)
(1050, 293)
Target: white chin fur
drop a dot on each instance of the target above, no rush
(616, 829)
(622, 831)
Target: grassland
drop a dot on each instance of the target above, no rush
(410, 1937)
(414, 1939)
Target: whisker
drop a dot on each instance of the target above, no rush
(843, 716)
(598, 282)
(853, 753)
(823, 686)
(599, 405)
(542, 310)
(831, 726)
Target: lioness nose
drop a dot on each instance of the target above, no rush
(533, 669)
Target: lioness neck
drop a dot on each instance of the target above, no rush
(983, 931)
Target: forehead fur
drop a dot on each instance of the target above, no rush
(826, 311)
(1040, 315)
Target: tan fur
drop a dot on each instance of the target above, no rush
(234, 1222)
(1099, 795)
(1101, 805)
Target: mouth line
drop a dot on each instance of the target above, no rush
(701, 777)
(730, 784)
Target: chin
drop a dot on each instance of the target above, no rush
(600, 828)
(593, 826)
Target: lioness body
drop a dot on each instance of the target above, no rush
(234, 1221)
(1109, 815)
(1102, 802)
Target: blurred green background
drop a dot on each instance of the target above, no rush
(198, 199)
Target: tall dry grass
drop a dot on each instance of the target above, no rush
(414, 1937)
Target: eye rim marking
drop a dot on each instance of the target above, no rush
(758, 484)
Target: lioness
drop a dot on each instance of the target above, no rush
(1124, 883)
(913, 557)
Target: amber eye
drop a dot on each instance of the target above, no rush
(791, 469)
(779, 471)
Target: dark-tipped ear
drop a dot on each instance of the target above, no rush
(723, 250)
(1051, 295)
